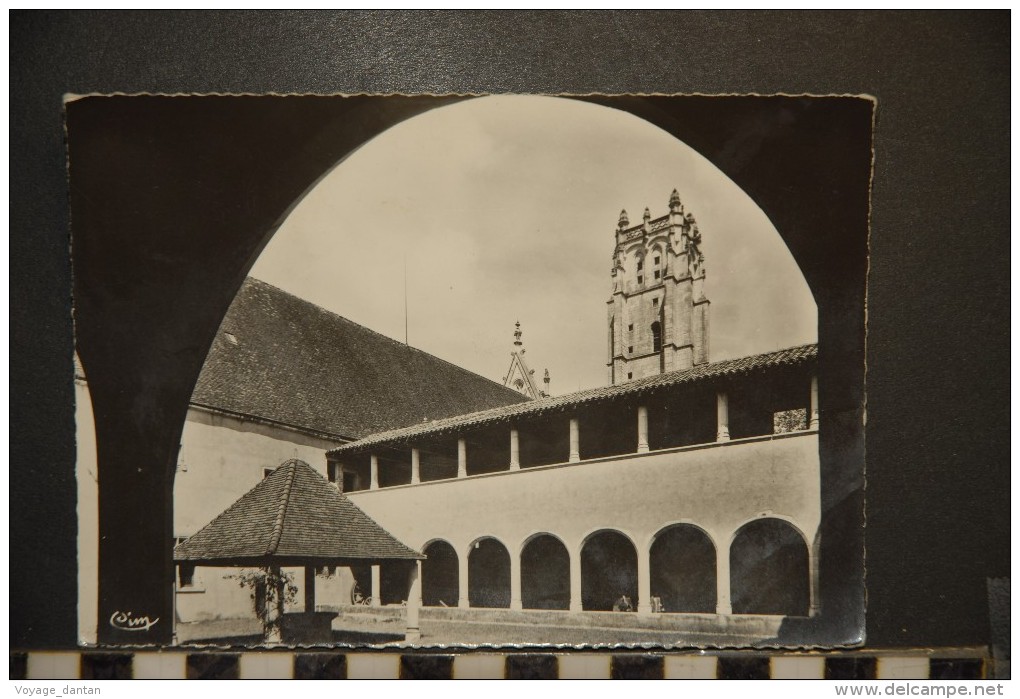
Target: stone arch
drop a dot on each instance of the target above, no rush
(770, 569)
(545, 573)
(608, 570)
(488, 573)
(682, 569)
(440, 575)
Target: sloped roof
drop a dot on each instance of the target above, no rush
(292, 516)
(793, 356)
(280, 358)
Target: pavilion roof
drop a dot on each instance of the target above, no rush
(294, 516)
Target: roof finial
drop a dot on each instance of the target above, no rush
(517, 335)
(648, 214)
(624, 221)
(674, 200)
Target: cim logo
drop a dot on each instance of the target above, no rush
(126, 621)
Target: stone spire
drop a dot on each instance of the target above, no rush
(624, 221)
(648, 215)
(517, 334)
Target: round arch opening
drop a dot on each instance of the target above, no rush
(769, 569)
(440, 575)
(545, 573)
(609, 573)
(489, 574)
(682, 569)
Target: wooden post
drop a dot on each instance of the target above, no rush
(309, 589)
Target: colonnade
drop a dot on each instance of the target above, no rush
(607, 571)
(722, 434)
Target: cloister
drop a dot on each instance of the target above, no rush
(691, 492)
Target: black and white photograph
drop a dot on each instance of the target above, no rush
(513, 371)
(418, 344)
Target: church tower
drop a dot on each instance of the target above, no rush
(658, 313)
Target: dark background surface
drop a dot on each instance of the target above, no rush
(938, 379)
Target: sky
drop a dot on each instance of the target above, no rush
(504, 208)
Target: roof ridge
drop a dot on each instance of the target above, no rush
(274, 540)
(387, 338)
(225, 512)
(697, 372)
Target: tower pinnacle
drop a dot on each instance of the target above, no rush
(674, 200)
(624, 221)
(517, 334)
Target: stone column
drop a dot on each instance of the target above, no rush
(722, 582)
(575, 581)
(461, 458)
(722, 406)
(376, 586)
(575, 440)
(413, 633)
(644, 581)
(813, 417)
(642, 429)
(374, 483)
(463, 601)
(515, 583)
(415, 466)
(515, 450)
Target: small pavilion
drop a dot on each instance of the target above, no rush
(296, 518)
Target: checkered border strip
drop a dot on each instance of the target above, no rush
(263, 665)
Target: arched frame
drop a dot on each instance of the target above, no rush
(153, 279)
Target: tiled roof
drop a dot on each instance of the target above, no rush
(703, 372)
(283, 359)
(292, 514)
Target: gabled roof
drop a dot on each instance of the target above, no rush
(293, 516)
(280, 358)
(793, 356)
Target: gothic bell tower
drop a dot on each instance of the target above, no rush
(658, 313)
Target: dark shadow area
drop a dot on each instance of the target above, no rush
(608, 430)
(683, 570)
(394, 468)
(769, 569)
(608, 571)
(488, 450)
(546, 441)
(440, 572)
(489, 575)
(437, 459)
(395, 581)
(545, 574)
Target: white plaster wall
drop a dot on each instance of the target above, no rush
(717, 487)
(86, 473)
(221, 459)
